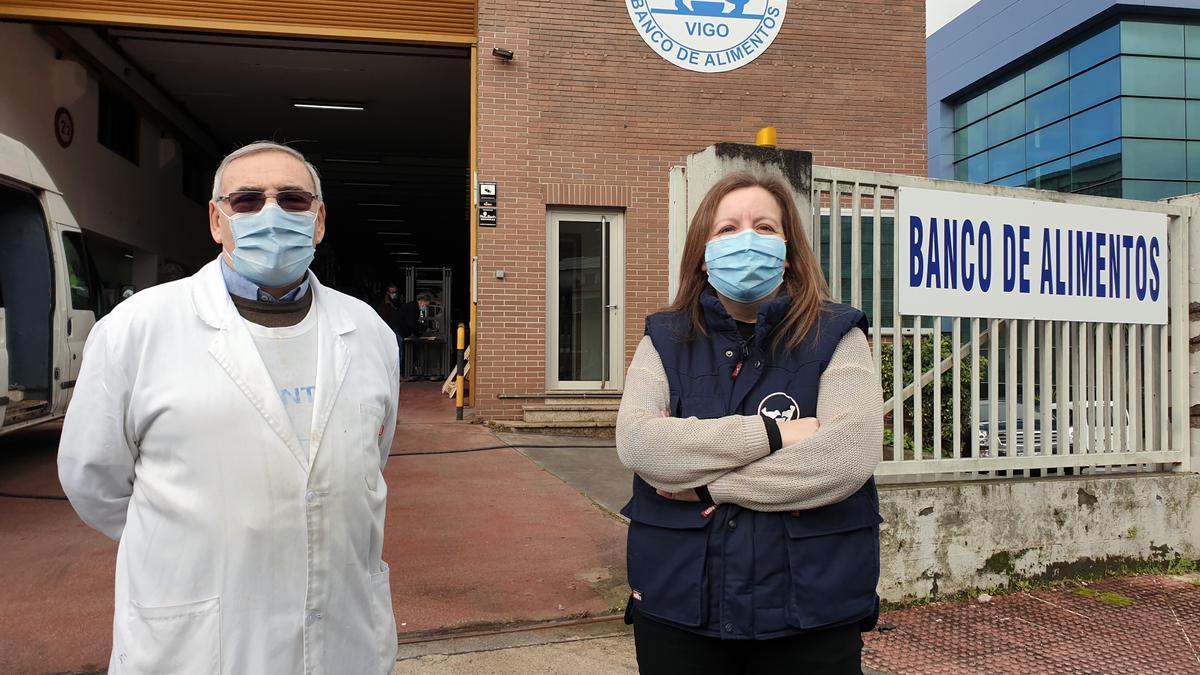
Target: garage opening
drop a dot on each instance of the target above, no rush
(387, 126)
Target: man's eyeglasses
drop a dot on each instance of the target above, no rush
(252, 201)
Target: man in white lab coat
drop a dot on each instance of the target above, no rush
(230, 430)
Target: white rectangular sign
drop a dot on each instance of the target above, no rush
(1008, 258)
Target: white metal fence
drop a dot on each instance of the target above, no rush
(1097, 397)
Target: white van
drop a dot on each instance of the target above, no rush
(48, 297)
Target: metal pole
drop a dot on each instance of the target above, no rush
(458, 394)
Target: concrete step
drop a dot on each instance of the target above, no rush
(600, 411)
(582, 397)
(589, 429)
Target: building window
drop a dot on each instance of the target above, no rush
(118, 125)
(1115, 114)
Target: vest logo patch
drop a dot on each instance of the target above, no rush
(779, 407)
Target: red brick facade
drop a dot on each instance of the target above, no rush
(586, 114)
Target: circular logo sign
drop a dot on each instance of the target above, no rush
(708, 36)
(64, 127)
(780, 407)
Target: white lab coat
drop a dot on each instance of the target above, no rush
(238, 554)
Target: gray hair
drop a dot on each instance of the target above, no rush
(254, 149)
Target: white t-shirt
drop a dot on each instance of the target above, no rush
(290, 354)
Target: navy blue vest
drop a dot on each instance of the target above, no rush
(736, 573)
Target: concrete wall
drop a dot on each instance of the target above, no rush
(958, 536)
(141, 206)
(992, 35)
(587, 115)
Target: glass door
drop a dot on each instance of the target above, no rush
(585, 326)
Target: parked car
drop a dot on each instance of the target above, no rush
(1017, 439)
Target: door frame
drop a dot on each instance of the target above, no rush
(615, 302)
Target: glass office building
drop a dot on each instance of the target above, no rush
(1115, 112)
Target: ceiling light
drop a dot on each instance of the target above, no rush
(328, 105)
(405, 253)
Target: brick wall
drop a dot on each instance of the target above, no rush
(586, 103)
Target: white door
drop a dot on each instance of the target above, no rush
(585, 283)
(3, 361)
(80, 305)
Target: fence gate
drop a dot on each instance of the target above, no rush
(986, 398)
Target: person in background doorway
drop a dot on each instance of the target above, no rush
(416, 315)
(752, 418)
(230, 431)
(392, 314)
(413, 318)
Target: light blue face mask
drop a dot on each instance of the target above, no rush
(273, 247)
(745, 267)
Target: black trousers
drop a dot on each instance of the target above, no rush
(666, 650)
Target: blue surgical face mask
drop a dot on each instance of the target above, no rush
(747, 266)
(273, 247)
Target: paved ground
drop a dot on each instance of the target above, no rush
(499, 562)
(593, 470)
(1125, 625)
(473, 538)
(489, 537)
(595, 646)
(57, 580)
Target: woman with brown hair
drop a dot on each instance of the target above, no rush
(752, 418)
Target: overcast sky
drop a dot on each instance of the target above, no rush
(940, 12)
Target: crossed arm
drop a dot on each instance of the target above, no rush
(731, 455)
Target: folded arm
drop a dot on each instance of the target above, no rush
(834, 462)
(676, 454)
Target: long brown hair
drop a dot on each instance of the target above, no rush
(803, 281)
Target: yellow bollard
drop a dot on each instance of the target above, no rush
(765, 137)
(458, 394)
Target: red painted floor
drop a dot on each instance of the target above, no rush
(486, 537)
(1147, 625)
(56, 595)
(481, 537)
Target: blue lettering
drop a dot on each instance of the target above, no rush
(950, 253)
(1083, 258)
(933, 277)
(1010, 258)
(1101, 240)
(1155, 281)
(1024, 241)
(1127, 245)
(916, 264)
(1114, 265)
(1142, 267)
(706, 29)
(985, 247)
(1060, 288)
(1047, 285)
(968, 231)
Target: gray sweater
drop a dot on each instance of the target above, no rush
(732, 455)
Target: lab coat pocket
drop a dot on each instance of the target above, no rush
(385, 620)
(372, 427)
(175, 639)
